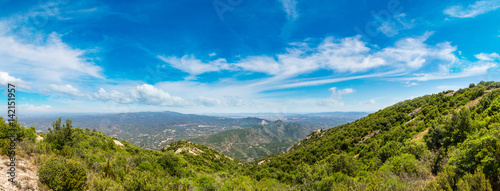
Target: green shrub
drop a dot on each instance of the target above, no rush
(75, 176)
(58, 174)
(404, 165)
(206, 183)
(145, 166)
(144, 181)
(51, 173)
(476, 182)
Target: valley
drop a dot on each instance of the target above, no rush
(444, 141)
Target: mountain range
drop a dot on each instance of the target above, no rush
(444, 141)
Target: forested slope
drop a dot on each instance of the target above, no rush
(448, 140)
(256, 141)
(444, 141)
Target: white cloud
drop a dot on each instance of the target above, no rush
(29, 107)
(290, 7)
(236, 101)
(414, 53)
(112, 96)
(348, 55)
(475, 69)
(335, 100)
(329, 80)
(331, 102)
(208, 101)
(342, 55)
(48, 61)
(66, 89)
(372, 101)
(5, 79)
(365, 103)
(391, 28)
(479, 7)
(195, 66)
(225, 101)
(340, 93)
(151, 95)
(409, 84)
(487, 57)
(262, 64)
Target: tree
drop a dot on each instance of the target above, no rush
(60, 136)
(434, 138)
(458, 128)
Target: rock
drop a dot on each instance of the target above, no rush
(26, 175)
(118, 143)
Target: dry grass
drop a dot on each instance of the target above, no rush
(420, 135)
(370, 135)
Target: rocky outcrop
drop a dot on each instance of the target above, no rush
(26, 175)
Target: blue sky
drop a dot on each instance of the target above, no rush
(241, 56)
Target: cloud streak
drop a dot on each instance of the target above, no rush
(478, 8)
(290, 8)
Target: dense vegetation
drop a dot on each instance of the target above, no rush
(151, 130)
(256, 141)
(448, 141)
(444, 141)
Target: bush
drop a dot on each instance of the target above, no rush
(51, 173)
(403, 165)
(207, 183)
(477, 182)
(342, 163)
(172, 163)
(75, 176)
(144, 181)
(60, 175)
(388, 150)
(145, 166)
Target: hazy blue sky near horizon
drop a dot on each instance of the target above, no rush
(242, 56)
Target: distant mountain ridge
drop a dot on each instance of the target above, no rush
(156, 129)
(257, 141)
(150, 129)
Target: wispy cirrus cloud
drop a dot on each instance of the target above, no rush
(479, 7)
(335, 99)
(350, 56)
(30, 107)
(290, 8)
(51, 60)
(472, 70)
(194, 66)
(410, 84)
(391, 28)
(487, 57)
(113, 95)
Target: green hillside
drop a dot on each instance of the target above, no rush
(447, 141)
(82, 159)
(257, 141)
(444, 141)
